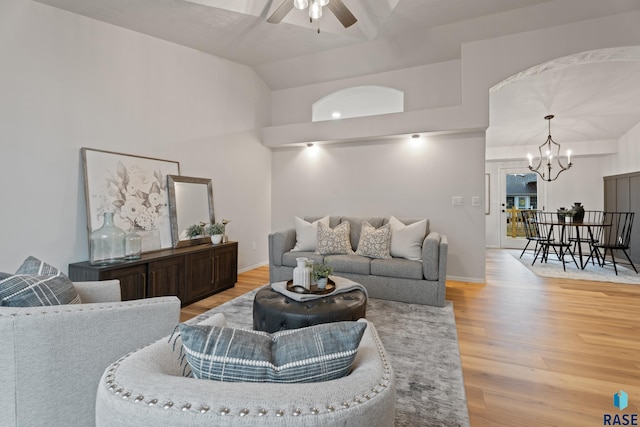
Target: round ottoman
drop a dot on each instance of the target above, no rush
(274, 312)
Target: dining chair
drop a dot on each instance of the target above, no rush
(531, 232)
(591, 233)
(616, 237)
(556, 235)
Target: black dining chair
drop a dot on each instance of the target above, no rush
(556, 235)
(616, 237)
(527, 217)
(591, 233)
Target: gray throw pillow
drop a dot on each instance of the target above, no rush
(36, 283)
(316, 353)
(334, 241)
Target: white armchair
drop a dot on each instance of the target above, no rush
(52, 357)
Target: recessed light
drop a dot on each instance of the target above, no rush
(310, 145)
(415, 136)
(336, 114)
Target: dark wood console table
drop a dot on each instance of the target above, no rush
(190, 273)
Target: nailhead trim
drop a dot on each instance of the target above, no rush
(186, 407)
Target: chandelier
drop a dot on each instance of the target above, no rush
(550, 152)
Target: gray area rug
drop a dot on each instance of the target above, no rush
(553, 268)
(422, 344)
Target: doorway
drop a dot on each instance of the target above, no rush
(520, 189)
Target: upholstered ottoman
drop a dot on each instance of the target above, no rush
(274, 312)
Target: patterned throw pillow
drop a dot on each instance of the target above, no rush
(36, 283)
(374, 242)
(334, 241)
(316, 353)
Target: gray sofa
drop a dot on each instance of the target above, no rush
(52, 357)
(397, 279)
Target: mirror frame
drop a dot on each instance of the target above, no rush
(173, 209)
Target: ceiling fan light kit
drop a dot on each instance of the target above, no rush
(337, 7)
(549, 147)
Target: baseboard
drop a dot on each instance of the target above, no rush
(466, 279)
(251, 267)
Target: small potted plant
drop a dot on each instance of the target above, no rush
(195, 230)
(216, 231)
(321, 274)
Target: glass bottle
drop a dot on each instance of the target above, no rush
(107, 243)
(132, 246)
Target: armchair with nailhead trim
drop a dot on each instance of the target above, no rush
(151, 388)
(52, 357)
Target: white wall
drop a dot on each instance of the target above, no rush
(428, 86)
(69, 82)
(396, 177)
(627, 159)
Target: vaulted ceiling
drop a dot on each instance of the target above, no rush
(395, 34)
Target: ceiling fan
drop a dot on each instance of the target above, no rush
(337, 7)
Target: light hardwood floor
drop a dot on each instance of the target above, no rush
(535, 351)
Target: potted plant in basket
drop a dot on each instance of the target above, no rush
(195, 230)
(320, 273)
(216, 231)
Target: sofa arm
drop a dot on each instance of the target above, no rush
(280, 242)
(98, 291)
(431, 255)
(54, 356)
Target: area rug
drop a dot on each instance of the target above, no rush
(553, 268)
(421, 342)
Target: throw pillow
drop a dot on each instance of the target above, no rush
(27, 290)
(406, 240)
(36, 283)
(307, 234)
(316, 353)
(334, 241)
(374, 242)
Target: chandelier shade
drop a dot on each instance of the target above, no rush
(550, 164)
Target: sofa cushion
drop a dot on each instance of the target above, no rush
(406, 240)
(374, 242)
(289, 258)
(36, 283)
(316, 353)
(355, 224)
(333, 240)
(397, 267)
(348, 264)
(307, 233)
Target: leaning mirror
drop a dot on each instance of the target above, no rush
(190, 203)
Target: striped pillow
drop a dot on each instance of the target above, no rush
(36, 283)
(316, 353)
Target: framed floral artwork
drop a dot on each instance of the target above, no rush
(134, 189)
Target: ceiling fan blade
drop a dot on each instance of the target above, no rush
(281, 12)
(343, 14)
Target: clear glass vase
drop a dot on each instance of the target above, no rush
(132, 246)
(107, 243)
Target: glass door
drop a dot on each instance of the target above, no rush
(520, 189)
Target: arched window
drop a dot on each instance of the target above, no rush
(358, 101)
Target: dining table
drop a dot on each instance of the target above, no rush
(589, 232)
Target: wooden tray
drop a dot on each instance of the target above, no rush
(331, 286)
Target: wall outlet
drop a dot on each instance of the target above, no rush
(475, 201)
(456, 201)
(253, 246)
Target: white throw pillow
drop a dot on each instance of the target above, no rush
(406, 240)
(307, 234)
